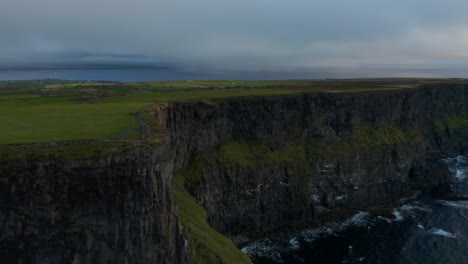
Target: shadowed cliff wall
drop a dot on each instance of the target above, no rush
(260, 164)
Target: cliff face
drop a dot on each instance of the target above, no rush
(118, 209)
(260, 164)
(254, 164)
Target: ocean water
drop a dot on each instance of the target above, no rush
(424, 231)
(118, 75)
(139, 75)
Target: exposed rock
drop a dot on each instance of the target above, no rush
(115, 210)
(355, 150)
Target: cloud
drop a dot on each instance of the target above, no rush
(233, 35)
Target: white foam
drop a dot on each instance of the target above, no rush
(418, 207)
(458, 167)
(461, 174)
(264, 247)
(359, 219)
(441, 232)
(294, 243)
(397, 215)
(408, 209)
(456, 204)
(385, 219)
(420, 226)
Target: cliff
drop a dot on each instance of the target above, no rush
(114, 209)
(254, 164)
(263, 164)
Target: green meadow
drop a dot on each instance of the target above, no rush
(63, 119)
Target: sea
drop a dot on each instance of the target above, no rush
(423, 231)
(141, 75)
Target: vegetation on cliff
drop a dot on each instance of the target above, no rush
(451, 122)
(206, 245)
(363, 139)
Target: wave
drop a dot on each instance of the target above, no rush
(416, 220)
(458, 167)
(408, 209)
(441, 232)
(455, 204)
(397, 214)
(271, 246)
(388, 220)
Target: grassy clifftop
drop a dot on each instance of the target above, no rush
(45, 114)
(45, 111)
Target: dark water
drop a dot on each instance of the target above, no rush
(138, 75)
(425, 231)
(119, 75)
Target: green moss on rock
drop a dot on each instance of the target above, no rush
(451, 122)
(193, 172)
(252, 155)
(206, 245)
(243, 154)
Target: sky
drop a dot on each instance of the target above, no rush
(241, 35)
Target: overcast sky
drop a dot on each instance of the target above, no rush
(236, 35)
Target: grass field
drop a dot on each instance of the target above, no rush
(22, 122)
(52, 110)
